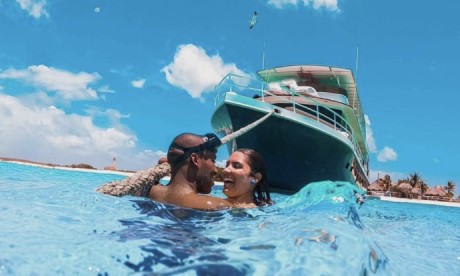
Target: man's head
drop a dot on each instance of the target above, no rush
(198, 153)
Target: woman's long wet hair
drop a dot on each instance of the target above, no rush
(256, 162)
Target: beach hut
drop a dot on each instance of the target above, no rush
(405, 188)
(436, 191)
(415, 192)
(375, 187)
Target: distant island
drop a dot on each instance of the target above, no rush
(79, 166)
(72, 166)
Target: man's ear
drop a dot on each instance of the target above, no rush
(194, 159)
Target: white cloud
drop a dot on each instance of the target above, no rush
(35, 8)
(150, 157)
(138, 83)
(196, 72)
(54, 132)
(34, 127)
(68, 86)
(387, 154)
(331, 5)
(370, 135)
(105, 89)
(48, 134)
(221, 163)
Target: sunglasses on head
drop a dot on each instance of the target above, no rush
(210, 143)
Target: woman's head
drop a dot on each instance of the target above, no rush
(245, 177)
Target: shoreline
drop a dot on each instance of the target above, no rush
(35, 164)
(418, 201)
(218, 183)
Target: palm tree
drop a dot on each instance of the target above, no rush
(386, 182)
(423, 187)
(450, 188)
(415, 179)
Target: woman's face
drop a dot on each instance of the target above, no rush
(237, 176)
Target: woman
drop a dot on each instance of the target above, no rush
(245, 179)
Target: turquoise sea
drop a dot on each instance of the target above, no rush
(52, 222)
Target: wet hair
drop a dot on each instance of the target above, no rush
(256, 162)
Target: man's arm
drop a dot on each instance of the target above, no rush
(135, 184)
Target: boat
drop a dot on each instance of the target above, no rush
(317, 133)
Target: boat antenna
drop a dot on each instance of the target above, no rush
(263, 56)
(357, 60)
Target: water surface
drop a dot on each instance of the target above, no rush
(53, 222)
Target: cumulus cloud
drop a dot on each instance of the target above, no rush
(387, 154)
(49, 134)
(196, 72)
(35, 8)
(370, 135)
(67, 85)
(56, 135)
(150, 157)
(221, 163)
(138, 83)
(331, 5)
(34, 127)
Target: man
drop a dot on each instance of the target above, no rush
(190, 163)
(192, 160)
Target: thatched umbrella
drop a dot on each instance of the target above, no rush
(404, 188)
(436, 191)
(416, 192)
(375, 186)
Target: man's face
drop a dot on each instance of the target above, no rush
(206, 172)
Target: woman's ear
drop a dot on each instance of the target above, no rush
(258, 177)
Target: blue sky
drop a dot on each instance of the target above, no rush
(88, 80)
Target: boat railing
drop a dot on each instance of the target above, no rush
(245, 86)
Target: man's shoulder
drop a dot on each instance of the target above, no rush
(158, 192)
(205, 202)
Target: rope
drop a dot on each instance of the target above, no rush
(139, 183)
(247, 128)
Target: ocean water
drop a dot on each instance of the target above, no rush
(53, 222)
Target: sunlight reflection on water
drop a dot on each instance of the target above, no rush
(53, 222)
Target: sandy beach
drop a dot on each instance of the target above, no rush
(385, 198)
(419, 201)
(66, 168)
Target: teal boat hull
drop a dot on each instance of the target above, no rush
(296, 149)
